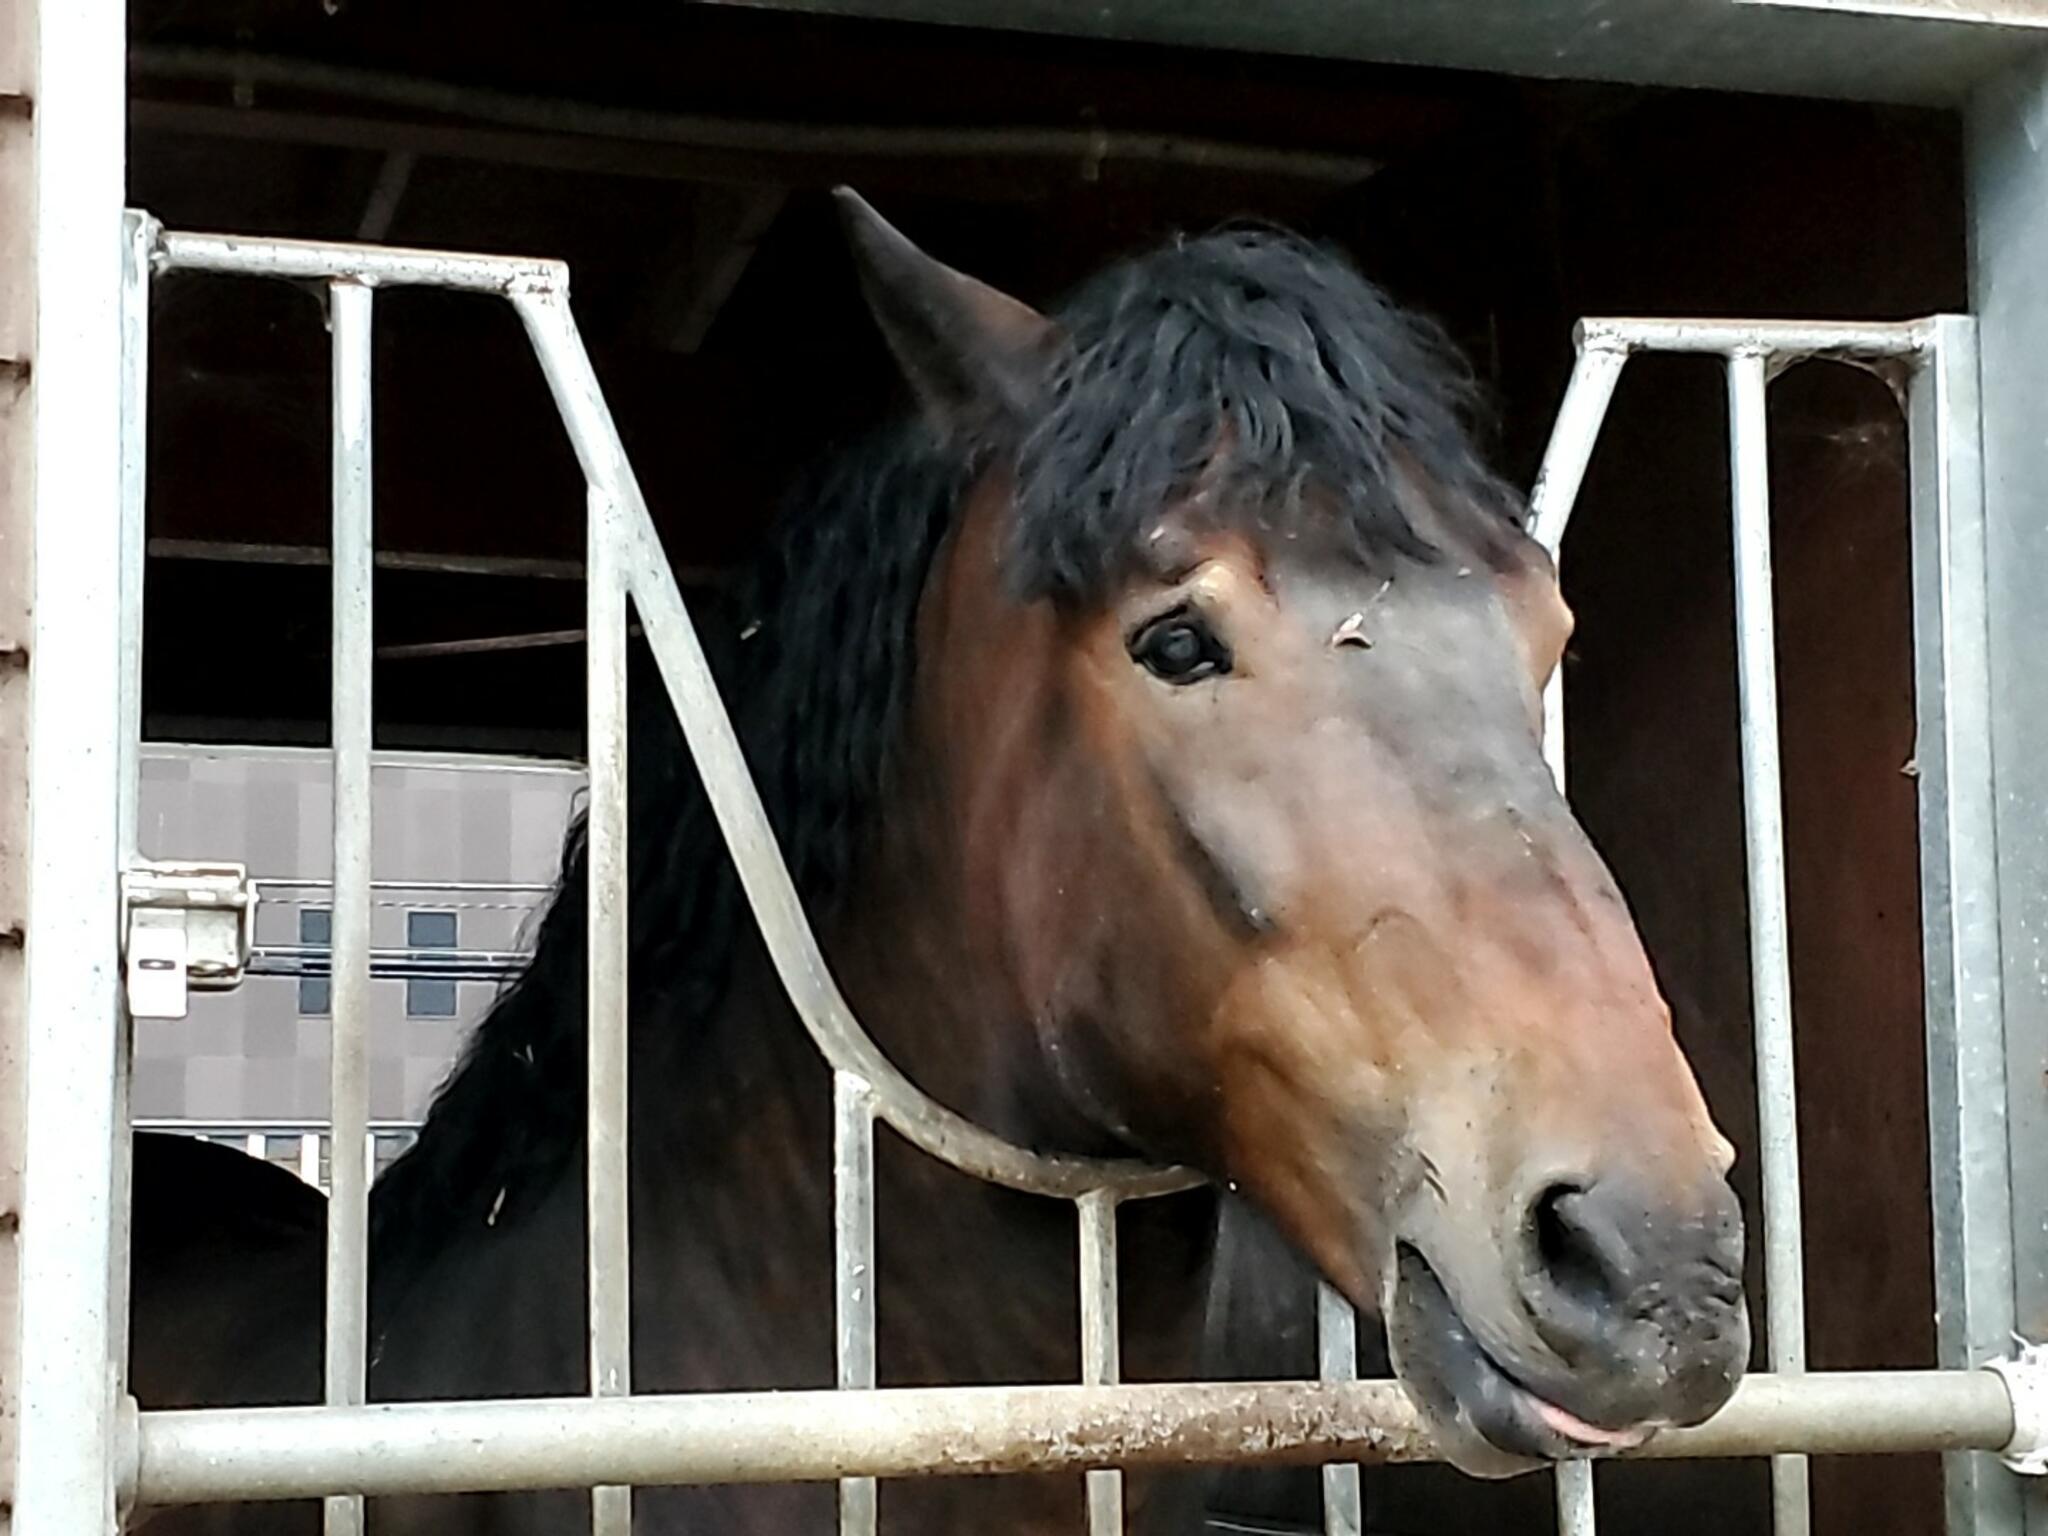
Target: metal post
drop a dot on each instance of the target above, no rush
(1556, 492)
(138, 233)
(853, 1252)
(1966, 1087)
(610, 1244)
(65, 1453)
(1101, 1363)
(1770, 954)
(1576, 1515)
(2008, 207)
(1337, 1360)
(349, 316)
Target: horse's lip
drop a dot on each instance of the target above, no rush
(1512, 1417)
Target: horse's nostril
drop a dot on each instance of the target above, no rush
(1575, 1252)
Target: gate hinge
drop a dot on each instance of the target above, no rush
(184, 927)
(2026, 1380)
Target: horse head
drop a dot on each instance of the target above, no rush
(1255, 829)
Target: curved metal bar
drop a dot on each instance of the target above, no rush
(736, 802)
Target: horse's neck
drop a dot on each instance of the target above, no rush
(733, 1234)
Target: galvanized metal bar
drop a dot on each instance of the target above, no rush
(1595, 374)
(1770, 955)
(210, 1455)
(1101, 1352)
(1576, 1514)
(853, 1261)
(1959, 906)
(1337, 1361)
(368, 265)
(608, 1170)
(737, 804)
(64, 1482)
(1776, 338)
(2008, 247)
(137, 233)
(1573, 435)
(347, 1341)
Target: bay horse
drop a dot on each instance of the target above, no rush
(1150, 719)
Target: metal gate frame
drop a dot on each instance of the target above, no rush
(345, 1449)
(83, 1442)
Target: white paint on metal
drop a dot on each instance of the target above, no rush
(609, 925)
(1770, 947)
(1101, 1353)
(72, 1135)
(347, 1335)
(853, 1262)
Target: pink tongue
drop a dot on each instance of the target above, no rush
(1572, 1427)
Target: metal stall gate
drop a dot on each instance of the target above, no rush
(188, 926)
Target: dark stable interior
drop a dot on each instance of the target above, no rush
(678, 161)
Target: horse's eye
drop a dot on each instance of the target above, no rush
(1180, 648)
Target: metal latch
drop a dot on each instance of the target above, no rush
(184, 927)
(2026, 1379)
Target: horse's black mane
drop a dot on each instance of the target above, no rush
(1318, 380)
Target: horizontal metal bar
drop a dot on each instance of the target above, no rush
(430, 562)
(1779, 338)
(435, 887)
(209, 1455)
(228, 1127)
(392, 964)
(373, 266)
(487, 645)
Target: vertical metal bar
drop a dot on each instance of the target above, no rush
(1966, 1069)
(1101, 1354)
(349, 315)
(610, 1241)
(853, 1259)
(138, 233)
(309, 1157)
(138, 237)
(1575, 1511)
(1557, 489)
(64, 1474)
(257, 1145)
(1337, 1360)
(1770, 955)
(2008, 212)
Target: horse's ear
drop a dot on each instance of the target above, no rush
(971, 353)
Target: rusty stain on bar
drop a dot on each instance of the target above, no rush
(206, 1455)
